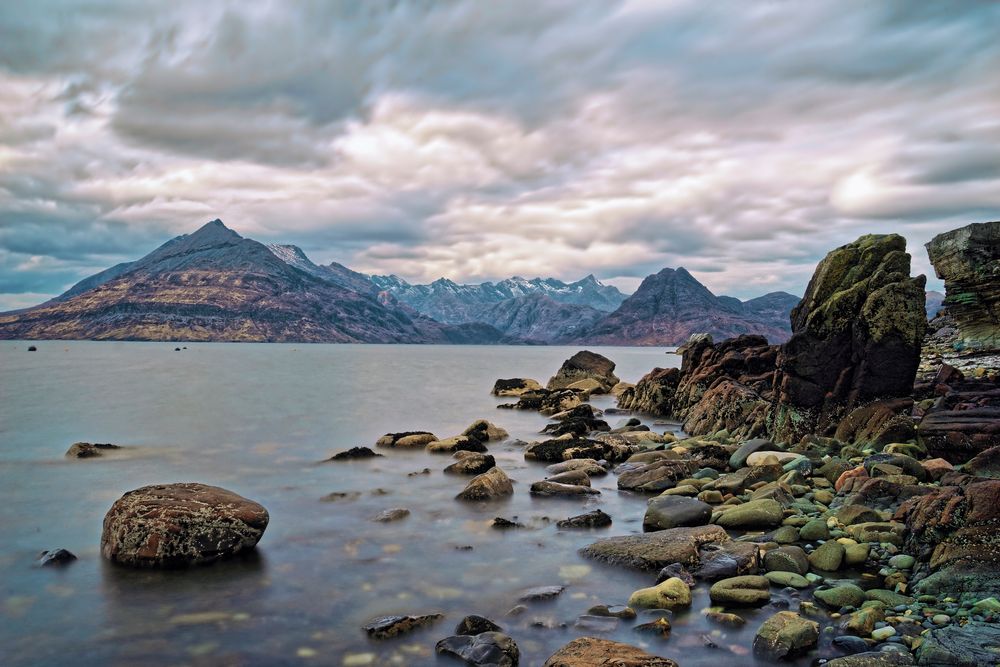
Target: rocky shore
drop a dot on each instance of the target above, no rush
(846, 483)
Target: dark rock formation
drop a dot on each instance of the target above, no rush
(56, 557)
(856, 336)
(87, 450)
(585, 365)
(176, 525)
(968, 259)
(594, 519)
(487, 649)
(386, 627)
(354, 453)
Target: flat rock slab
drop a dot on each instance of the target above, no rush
(654, 551)
(385, 627)
(594, 652)
(176, 525)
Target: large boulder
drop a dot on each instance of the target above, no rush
(494, 483)
(654, 551)
(595, 652)
(177, 525)
(856, 336)
(968, 259)
(515, 387)
(583, 366)
(963, 423)
(785, 633)
(487, 649)
(665, 512)
(969, 645)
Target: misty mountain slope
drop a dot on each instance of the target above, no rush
(447, 301)
(216, 285)
(671, 305)
(539, 317)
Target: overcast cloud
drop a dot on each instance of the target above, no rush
(476, 140)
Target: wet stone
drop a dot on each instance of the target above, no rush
(594, 519)
(385, 627)
(487, 649)
(540, 593)
(354, 453)
(56, 557)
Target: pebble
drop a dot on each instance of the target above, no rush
(881, 634)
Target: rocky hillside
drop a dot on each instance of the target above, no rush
(452, 303)
(214, 285)
(672, 305)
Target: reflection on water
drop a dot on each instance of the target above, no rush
(256, 419)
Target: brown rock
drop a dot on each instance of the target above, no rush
(494, 483)
(176, 525)
(594, 652)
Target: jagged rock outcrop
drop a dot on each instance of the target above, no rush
(968, 260)
(856, 336)
(856, 339)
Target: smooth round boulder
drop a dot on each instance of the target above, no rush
(178, 525)
(664, 512)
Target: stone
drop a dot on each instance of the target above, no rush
(494, 483)
(515, 387)
(815, 529)
(354, 453)
(743, 452)
(406, 439)
(985, 464)
(745, 591)
(482, 430)
(827, 557)
(764, 513)
(617, 611)
(582, 366)
(476, 463)
(665, 512)
(177, 525)
(851, 514)
(856, 554)
(660, 628)
(455, 444)
(549, 488)
(503, 524)
(968, 260)
(487, 649)
(727, 559)
(881, 634)
(676, 570)
(781, 578)
(786, 559)
(87, 450)
(654, 551)
(971, 645)
(595, 652)
(576, 477)
(873, 659)
(588, 466)
(653, 476)
(863, 621)
(540, 593)
(386, 627)
(902, 561)
(670, 594)
(770, 458)
(594, 519)
(783, 634)
(560, 449)
(473, 624)
(56, 557)
(843, 595)
(389, 515)
(653, 394)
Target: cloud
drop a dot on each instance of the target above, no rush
(478, 140)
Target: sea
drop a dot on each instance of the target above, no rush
(260, 420)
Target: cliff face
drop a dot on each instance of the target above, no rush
(968, 260)
(671, 305)
(214, 285)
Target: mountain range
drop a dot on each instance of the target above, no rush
(216, 285)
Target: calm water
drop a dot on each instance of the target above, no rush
(256, 419)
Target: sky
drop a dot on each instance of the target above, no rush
(478, 140)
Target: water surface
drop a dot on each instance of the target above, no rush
(256, 419)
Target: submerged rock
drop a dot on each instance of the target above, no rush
(665, 512)
(595, 652)
(395, 514)
(486, 649)
(654, 551)
(406, 439)
(175, 525)
(87, 450)
(385, 627)
(354, 453)
(54, 557)
(595, 519)
(550, 488)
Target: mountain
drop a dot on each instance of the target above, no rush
(933, 303)
(671, 305)
(452, 303)
(332, 272)
(216, 285)
(539, 317)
